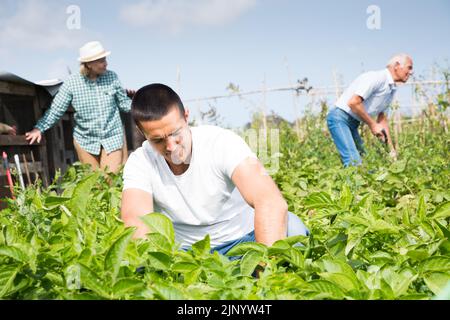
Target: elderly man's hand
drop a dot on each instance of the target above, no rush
(377, 129)
(34, 135)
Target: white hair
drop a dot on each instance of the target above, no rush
(400, 58)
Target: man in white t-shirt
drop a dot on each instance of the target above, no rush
(205, 179)
(368, 95)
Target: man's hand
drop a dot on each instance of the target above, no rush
(12, 131)
(5, 129)
(34, 135)
(377, 130)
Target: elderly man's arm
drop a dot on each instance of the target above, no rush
(261, 192)
(356, 105)
(135, 204)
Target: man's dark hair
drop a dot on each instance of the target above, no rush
(153, 102)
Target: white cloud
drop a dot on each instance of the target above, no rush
(175, 15)
(59, 69)
(39, 25)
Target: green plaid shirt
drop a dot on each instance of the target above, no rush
(96, 104)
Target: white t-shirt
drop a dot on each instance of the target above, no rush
(377, 88)
(203, 200)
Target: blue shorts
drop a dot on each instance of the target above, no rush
(295, 228)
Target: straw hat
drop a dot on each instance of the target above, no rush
(92, 51)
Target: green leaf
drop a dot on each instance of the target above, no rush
(127, 286)
(318, 200)
(192, 277)
(444, 230)
(382, 176)
(242, 248)
(7, 275)
(55, 278)
(419, 254)
(184, 267)
(381, 256)
(324, 286)
(52, 202)
(293, 240)
(303, 185)
(442, 211)
(398, 166)
(382, 226)
(421, 209)
(115, 253)
(437, 281)
(428, 228)
(14, 253)
(356, 220)
(159, 260)
(344, 281)
(296, 258)
(82, 193)
(159, 223)
(202, 247)
(436, 263)
(92, 281)
(352, 241)
(167, 292)
(158, 242)
(346, 197)
(279, 247)
(339, 266)
(398, 281)
(249, 262)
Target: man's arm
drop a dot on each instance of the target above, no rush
(135, 204)
(356, 105)
(261, 192)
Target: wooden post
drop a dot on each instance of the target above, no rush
(294, 102)
(25, 163)
(396, 129)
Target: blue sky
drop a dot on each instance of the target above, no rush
(215, 42)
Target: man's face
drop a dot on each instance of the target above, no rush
(170, 136)
(403, 72)
(98, 66)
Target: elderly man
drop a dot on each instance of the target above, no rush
(205, 179)
(368, 95)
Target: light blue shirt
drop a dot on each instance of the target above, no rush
(377, 88)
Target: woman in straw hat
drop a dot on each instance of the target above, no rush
(97, 97)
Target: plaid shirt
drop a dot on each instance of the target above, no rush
(96, 105)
